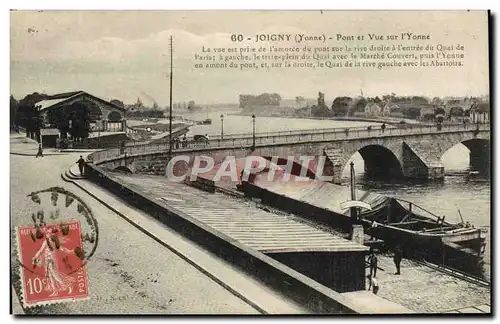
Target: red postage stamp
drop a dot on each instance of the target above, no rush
(53, 263)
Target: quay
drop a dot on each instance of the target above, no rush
(275, 268)
(265, 285)
(130, 273)
(219, 210)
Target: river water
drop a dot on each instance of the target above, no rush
(456, 191)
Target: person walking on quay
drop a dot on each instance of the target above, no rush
(81, 164)
(40, 151)
(373, 261)
(398, 256)
(373, 283)
(383, 127)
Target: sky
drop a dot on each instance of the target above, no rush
(125, 54)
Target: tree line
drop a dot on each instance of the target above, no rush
(409, 106)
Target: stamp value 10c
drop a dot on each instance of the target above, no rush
(53, 263)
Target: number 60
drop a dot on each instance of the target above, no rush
(238, 38)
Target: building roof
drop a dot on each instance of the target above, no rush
(47, 103)
(61, 98)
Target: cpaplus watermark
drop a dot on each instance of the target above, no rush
(237, 169)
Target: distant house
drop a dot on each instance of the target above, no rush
(373, 109)
(480, 113)
(455, 103)
(393, 110)
(427, 113)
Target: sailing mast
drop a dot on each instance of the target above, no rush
(354, 205)
(171, 80)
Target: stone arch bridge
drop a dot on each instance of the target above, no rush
(412, 153)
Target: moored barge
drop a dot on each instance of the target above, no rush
(421, 234)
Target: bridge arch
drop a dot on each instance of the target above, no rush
(379, 162)
(479, 155)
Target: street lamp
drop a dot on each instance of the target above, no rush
(354, 210)
(221, 126)
(98, 131)
(253, 134)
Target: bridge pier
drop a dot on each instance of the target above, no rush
(479, 157)
(421, 160)
(333, 164)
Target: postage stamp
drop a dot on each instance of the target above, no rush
(52, 259)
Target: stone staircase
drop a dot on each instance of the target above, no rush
(73, 173)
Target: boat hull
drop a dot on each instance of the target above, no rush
(463, 249)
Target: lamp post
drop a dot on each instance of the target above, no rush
(98, 131)
(354, 210)
(253, 134)
(221, 126)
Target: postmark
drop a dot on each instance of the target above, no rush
(54, 245)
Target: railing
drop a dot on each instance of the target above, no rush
(316, 135)
(456, 273)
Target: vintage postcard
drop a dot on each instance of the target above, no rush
(250, 162)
